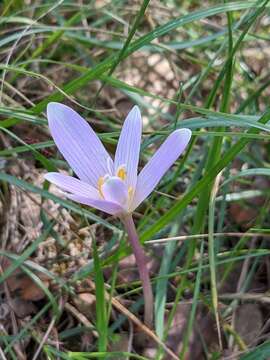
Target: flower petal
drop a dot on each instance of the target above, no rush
(128, 148)
(72, 185)
(82, 193)
(115, 190)
(103, 205)
(77, 142)
(161, 161)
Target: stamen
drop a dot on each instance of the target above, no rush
(101, 181)
(121, 172)
(130, 192)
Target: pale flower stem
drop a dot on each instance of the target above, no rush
(143, 271)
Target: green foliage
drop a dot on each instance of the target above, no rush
(92, 55)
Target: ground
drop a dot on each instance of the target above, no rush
(69, 283)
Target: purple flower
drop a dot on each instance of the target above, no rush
(111, 186)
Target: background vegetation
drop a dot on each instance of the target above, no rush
(69, 286)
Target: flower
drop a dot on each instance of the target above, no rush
(111, 186)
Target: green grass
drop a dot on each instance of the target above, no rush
(185, 64)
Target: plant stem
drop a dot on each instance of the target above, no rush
(143, 271)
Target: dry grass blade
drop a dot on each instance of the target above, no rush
(123, 310)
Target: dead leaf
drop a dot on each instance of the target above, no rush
(204, 326)
(248, 322)
(120, 343)
(20, 283)
(86, 304)
(22, 308)
(243, 215)
(128, 270)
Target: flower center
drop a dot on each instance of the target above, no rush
(121, 173)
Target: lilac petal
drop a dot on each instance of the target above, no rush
(77, 142)
(128, 148)
(161, 161)
(110, 166)
(72, 185)
(103, 205)
(115, 190)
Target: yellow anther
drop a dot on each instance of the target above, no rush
(130, 192)
(121, 173)
(100, 183)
